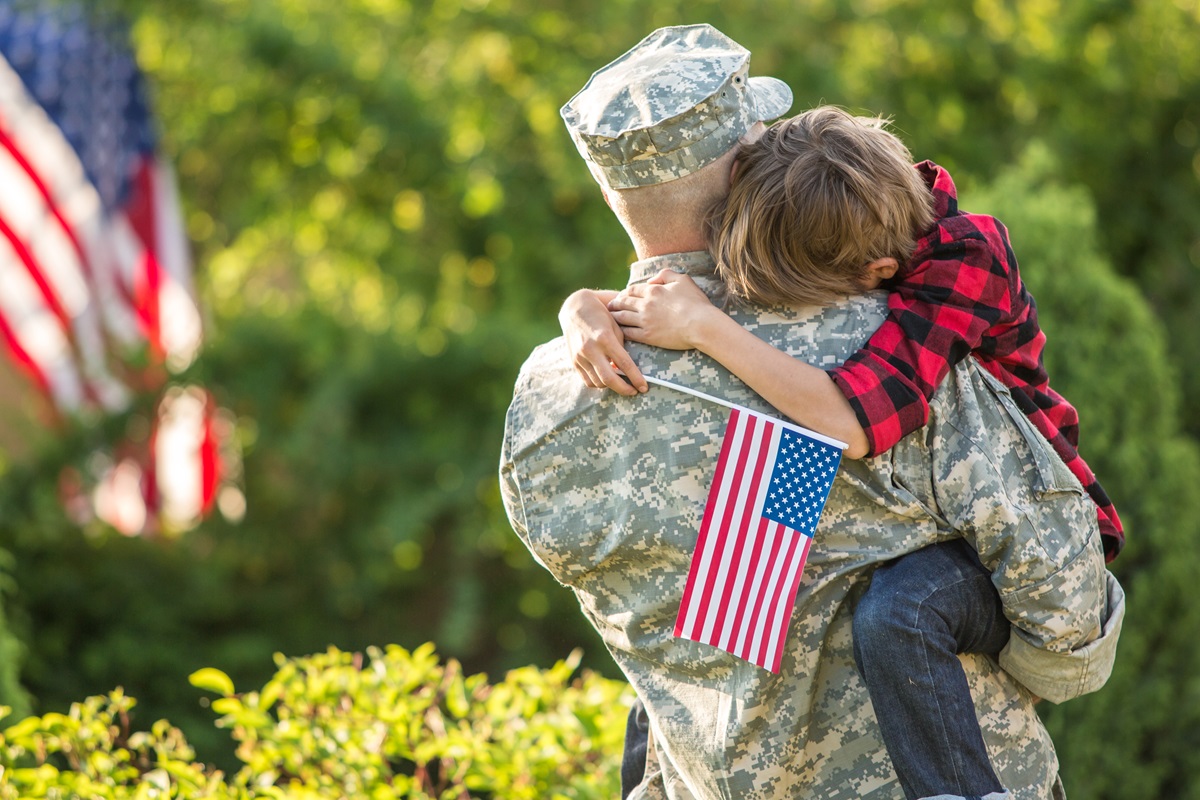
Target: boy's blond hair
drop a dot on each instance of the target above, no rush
(814, 200)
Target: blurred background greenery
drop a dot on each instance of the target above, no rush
(386, 212)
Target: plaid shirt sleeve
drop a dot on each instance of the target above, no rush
(961, 293)
(955, 288)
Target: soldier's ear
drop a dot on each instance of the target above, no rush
(604, 194)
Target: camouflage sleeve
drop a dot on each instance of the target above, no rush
(510, 492)
(998, 482)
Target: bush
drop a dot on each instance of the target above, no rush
(1107, 353)
(391, 724)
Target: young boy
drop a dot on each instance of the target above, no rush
(825, 205)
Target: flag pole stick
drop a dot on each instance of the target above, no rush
(829, 440)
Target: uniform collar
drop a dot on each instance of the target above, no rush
(696, 264)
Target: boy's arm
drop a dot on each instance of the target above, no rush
(952, 292)
(671, 311)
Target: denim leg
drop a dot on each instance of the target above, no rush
(633, 759)
(919, 612)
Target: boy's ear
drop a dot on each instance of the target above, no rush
(604, 194)
(881, 269)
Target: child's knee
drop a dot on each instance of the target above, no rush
(883, 614)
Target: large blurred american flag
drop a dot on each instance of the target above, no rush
(96, 294)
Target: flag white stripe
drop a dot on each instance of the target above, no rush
(766, 623)
(696, 607)
(38, 329)
(774, 569)
(24, 208)
(746, 568)
(787, 598)
(728, 545)
(179, 315)
(25, 212)
(752, 627)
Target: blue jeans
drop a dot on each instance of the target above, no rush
(637, 738)
(919, 612)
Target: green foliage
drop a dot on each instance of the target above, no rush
(395, 724)
(91, 752)
(1106, 352)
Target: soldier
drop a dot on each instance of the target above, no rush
(607, 491)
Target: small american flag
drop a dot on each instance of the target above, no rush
(771, 483)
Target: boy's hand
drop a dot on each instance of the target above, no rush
(596, 344)
(668, 311)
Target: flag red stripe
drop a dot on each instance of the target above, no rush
(789, 602)
(51, 299)
(34, 177)
(139, 208)
(140, 211)
(771, 578)
(743, 626)
(35, 272)
(773, 610)
(24, 361)
(706, 524)
(704, 560)
(146, 302)
(734, 488)
(210, 463)
(735, 589)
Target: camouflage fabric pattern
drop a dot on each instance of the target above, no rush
(607, 492)
(676, 102)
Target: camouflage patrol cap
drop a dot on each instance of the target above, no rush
(674, 103)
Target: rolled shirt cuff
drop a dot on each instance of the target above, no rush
(1062, 676)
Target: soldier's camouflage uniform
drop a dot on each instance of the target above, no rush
(608, 492)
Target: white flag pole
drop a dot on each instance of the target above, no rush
(798, 428)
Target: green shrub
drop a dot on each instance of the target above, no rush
(391, 724)
(1107, 352)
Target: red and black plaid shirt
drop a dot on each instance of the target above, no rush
(960, 295)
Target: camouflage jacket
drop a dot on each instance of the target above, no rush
(607, 493)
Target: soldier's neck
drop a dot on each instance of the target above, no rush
(649, 245)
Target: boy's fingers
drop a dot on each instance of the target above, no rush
(663, 276)
(607, 376)
(618, 302)
(632, 374)
(625, 318)
(585, 374)
(622, 300)
(633, 333)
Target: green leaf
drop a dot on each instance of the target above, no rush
(227, 705)
(456, 698)
(212, 680)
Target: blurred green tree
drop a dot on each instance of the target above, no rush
(1108, 354)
